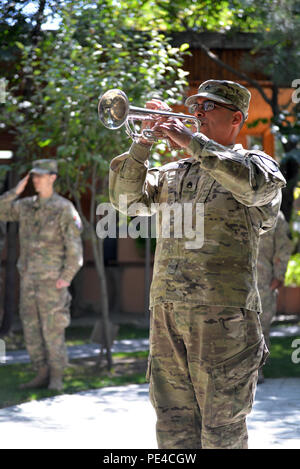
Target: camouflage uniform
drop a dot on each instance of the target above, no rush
(206, 342)
(50, 248)
(275, 248)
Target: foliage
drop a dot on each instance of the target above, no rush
(141, 245)
(62, 78)
(276, 52)
(51, 106)
(192, 15)
(292, 276)
(21, 23)
(286, 127)
(277, 42)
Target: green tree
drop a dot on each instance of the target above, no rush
(61, 79)
(276, 43)
(22, 22)
(275, 52)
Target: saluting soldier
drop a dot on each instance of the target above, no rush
(50, 256)
(206, 341)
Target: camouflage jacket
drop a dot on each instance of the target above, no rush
(49, 232)
(275, 249)
(240, 193)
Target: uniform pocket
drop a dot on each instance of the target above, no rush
(232, 386)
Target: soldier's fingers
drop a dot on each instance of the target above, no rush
(25, 178)
(21, 184)
(157, 104)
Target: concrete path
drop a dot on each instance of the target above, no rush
(92, 350)
(83, 351)
(123, 418)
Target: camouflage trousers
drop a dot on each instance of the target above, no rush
(203, 367)
(44, 312)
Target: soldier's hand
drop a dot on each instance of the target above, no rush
(61, 283)
(174, 129)
(276, 283)
(22, 184)
(154, 104)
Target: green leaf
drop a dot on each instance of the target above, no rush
(45, 143)
(20, 45)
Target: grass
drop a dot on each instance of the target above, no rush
(79, 335)
(80, 375)
(280, 364)
(128, 368)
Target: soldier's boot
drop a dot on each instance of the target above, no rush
(41, 380)
(56, 379)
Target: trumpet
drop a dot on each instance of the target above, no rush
(114, 111)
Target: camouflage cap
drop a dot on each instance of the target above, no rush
(223, 91)
(44, 167)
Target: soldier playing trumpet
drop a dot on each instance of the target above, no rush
(206, 341)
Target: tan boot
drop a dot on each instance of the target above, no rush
(41, 380)
(56, 380)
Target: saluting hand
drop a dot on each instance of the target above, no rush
(60, 283)
(276, 283)
(22, 184)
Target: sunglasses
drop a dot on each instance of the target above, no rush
(208, 106)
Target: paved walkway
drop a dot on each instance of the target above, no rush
(83, 351)
(92, 350)
(123, 418)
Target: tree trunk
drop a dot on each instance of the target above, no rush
(10, 280)
(10, 270)
(97, 245)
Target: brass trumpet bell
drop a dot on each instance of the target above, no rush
(114, 111)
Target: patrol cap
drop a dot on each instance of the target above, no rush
(223, 91)
(44, 167)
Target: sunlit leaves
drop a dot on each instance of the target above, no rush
(63, 76)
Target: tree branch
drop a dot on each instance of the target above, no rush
(241, 75)
(93, 195)
(39, 16)
(77, 201)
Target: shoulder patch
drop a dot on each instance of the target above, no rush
(265, 160)
(176, 164)
(76, 218)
